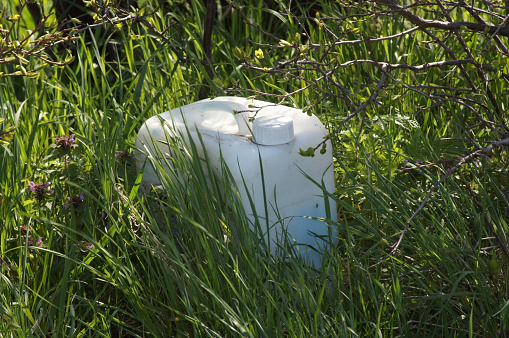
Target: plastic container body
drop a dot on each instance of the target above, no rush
(287, 192)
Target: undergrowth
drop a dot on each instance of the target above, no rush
(85, 253)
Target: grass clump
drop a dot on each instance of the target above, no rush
(84, 253)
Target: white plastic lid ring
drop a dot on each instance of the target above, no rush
(273, 130)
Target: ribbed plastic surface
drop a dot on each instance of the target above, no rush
(273, 130)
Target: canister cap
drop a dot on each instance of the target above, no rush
(273, 130)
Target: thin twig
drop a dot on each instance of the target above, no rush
(207, 47)
(456, 25)
(362, 107)
(462, 160)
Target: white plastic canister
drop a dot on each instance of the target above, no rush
(274, 137)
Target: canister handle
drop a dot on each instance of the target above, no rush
(242, 118)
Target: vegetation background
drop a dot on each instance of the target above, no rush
(414, 95)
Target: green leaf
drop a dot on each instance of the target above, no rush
(310, 152)
(139, 85)
(7, 135)
(238, 52)
(69, 58)
(259, 53)
(324, 149)
(217, 81)
(284, 43)
(495, 265)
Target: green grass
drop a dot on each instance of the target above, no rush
(169, 263)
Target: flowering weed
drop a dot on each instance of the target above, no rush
(64, 143)
(40, 190)
(74, 202)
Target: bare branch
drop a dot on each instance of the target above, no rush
(391, 66)
(484, 151)
(458, 25)
(355, 42)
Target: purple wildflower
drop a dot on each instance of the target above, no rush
(86, 244)
(418, 161)
(124, 154)
(24, 230)
(64, 142)
(39, 243)
(40, 190)
(75, 201)
(104, 217)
